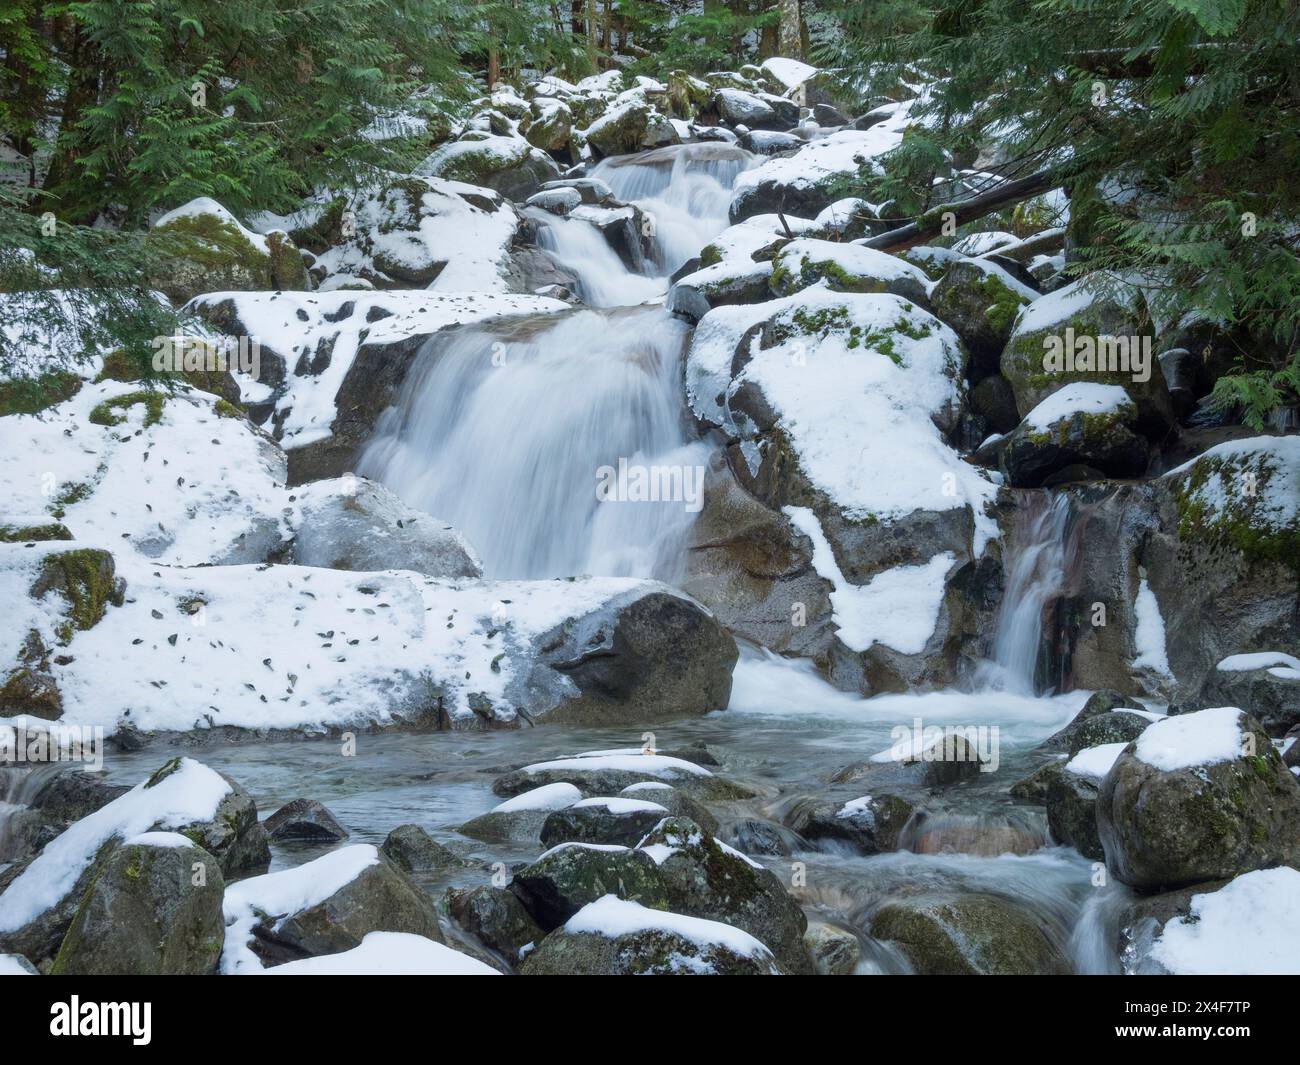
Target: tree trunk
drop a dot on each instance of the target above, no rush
(791, 31)
(591, 34)
(962, 211)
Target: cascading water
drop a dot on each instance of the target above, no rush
(1036, 576)
(506, 433)
(506, 437)
(685, 190)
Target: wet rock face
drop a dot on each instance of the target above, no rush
(656, 658)
(620, 821)
(1272, 695)
(380, 898)
(151, 910)
(495, 917)
(1164, 829)
(304, 820)
(969, 935)
(567, 878)
(1071, 802)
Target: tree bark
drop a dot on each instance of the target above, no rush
(791, 31)
(962, 211)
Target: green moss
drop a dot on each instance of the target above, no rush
(163, 772)
(103, 414)
(226, 409)
(31, 395)
(23, 534)
(1238, 525)
(1003, 304)
(73, 493)
(85, 578)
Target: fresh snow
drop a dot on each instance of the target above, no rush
(1095, 762)
(1149, 635)
(1276, 504)
(1188, 740)
(388, 954)
(1257, 660)
(308, 320)
(547, 797)
(651, 765)
(1249, 927)
(188, 795)
(617, 805)
(789, 72)
(1077, 397)
(282, 894)
(898, 607)
(613, 917)
(10, 965)
(159, 839)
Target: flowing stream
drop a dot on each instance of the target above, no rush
(501, 430)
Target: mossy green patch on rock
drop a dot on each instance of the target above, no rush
(86, 578)
(24, 534)
(1221, 506)
(105, 413)
(31, 395)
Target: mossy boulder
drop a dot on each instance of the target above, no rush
(152, 909)
(1071, 801)
(204, 248)
(969, 935)
(112, 411)
(687, 94)
(496, 918)
(1110, 726)
(723, 284)
(233, 835)
(1050, 441)
(1271, 692)
(551, 127)
(677, 803)
(631, 127)
(653, 945)
(844, 268)
(1167, 828)
(980, 301)
(617, 820)
(510, 165)
(87, 579)
(1099, 316)
(567, 877)
(302, 821)
(706, 878)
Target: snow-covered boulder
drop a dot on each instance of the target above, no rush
(806, 183)
(1198, 797)
(173, 475)
(1244, 927)
(726, 284)
(568, 877)
(353, 523)
(617, 819)
(597, 773)
(1266, 681)
(1088, 331)
(791, 381)
(326, 906)
(706, 878)
(551, 125)
(1085, 429)
(153, 909)
(980, 300)
(205, 248)
(389, 954)
(631, 126)
(511, 165)
(520, 819)
(845, 268)
(424, 231)
(298, 648)
(1223, 563)
(618, 937)
(184, 796)
(343, 356)
(870, 824)
(751, 110)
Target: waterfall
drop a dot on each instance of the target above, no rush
(1039, 556)
(686, 191)
(506, 436)
(508, 431)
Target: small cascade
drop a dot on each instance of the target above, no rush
(1040, 552)
(685, 189)
(507, 436)
(603, 280)
(18, 787)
